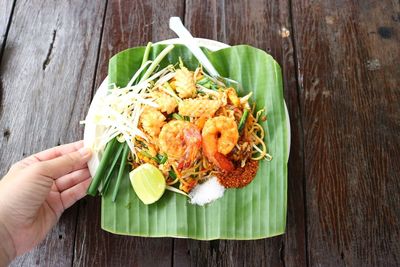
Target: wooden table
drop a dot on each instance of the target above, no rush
(341, 67)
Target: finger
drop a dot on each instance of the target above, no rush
(54, 152)
(63, 165)
(53, 199)
(73, 194)
(71, 179)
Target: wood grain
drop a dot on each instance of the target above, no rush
(340, 62)
(46, 76)
(5, 19)
(293, 250)
(261, 24)
(348, 71)
(264, 252)
(127, 24)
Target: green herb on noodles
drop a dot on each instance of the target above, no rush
(243, 120)
(162, 158)
(172, 174)
(176, 116)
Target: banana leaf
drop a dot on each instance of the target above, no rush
(253, 212)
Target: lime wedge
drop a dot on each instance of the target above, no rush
(148, 183)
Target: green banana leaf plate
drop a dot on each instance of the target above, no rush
(253, 212)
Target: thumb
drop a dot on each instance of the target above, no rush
(64, 164)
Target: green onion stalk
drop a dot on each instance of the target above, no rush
(176, 116)
(109, 152)
(111, 169)
(115, 150)
(121, 170)
(243, 120)
(161, 159)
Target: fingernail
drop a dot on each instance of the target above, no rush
(84, 151)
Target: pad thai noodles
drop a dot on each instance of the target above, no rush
(187, 124)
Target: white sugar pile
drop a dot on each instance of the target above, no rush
(206, 192)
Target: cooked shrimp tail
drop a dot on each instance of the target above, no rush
(220, 135)
(181, 141)
(192, 138)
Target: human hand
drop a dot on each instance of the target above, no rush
(36, 191)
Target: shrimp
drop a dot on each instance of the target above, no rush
(185, 83)
(152, 120)
(166, 102)
(181, 140)
(198, 107)
(220, 135)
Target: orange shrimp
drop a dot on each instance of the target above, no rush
(192, 138)
(220, 135)
(181, 140)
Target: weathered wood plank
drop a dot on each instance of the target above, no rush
(262, 24)
(5, 19)
(264, 252)
(349, 74)
(46, 80)
(293, 251)
(127, 24)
